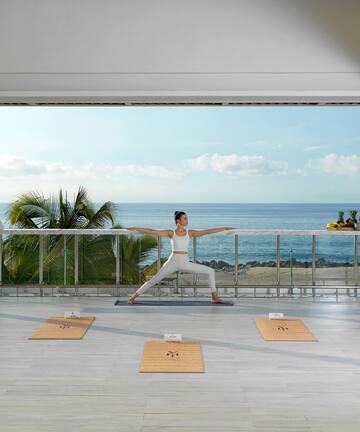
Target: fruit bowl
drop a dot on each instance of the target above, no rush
(340, 229)
(335, 226)
(350, 224)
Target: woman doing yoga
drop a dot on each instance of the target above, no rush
(179, 259)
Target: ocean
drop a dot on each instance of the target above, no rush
(240, 215)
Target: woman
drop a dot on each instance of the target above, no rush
(179, 259)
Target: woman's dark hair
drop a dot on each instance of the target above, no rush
(178, 214)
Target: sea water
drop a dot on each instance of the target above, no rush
(259, 248)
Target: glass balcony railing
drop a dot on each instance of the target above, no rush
(114, 262)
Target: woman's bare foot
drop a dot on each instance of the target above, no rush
(132, 298)
(215, 298)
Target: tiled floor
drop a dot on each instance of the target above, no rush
(249, 385)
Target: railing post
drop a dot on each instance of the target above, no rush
(313, 263)
(65, 260)
(356, 253)
(236, 264)
(278, 265)
(158, 265)
(268, 291)
(158, 253)
(117, 258)
(76, 263)
(291, 290)
(194, 259)
(41, 263)
(1, 260)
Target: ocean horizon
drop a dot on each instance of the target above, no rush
(244, 216)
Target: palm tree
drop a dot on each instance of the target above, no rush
(96, 253)
(33, 210)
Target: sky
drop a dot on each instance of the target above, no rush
(257, 154)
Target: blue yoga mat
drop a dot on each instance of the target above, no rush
(173, 303)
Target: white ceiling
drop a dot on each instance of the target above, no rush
(179, 51)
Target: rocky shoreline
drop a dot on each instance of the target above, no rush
(225, 266)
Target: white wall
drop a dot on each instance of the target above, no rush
(179, 50)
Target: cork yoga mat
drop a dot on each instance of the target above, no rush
(285, 329)
(57, 327)
(162, 356)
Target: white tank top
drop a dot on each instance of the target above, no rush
(180, 243)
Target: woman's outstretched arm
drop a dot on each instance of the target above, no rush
(160, 233)
(198, 233)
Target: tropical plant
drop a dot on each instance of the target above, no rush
(96, 253)
(353, 214)
(33, 210)
(341, 216)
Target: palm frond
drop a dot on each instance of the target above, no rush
(97, 253)
(102, 217)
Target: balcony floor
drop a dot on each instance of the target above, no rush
(250, 385)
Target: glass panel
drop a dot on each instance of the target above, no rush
(146, 261)
(138, 261)
(170, 284)
(174, 283)
(54, 260)
(217, 252)
(129, 261)
(358, 265)
(298, 261)
(186, 281)
(286, 275)
(335, 260)
(53, 264)
(69, 266)
(97, 263)
(21, 264)
(257, 262)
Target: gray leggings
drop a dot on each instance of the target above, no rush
(180, 262)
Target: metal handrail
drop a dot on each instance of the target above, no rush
(124, 231)
(66, 231)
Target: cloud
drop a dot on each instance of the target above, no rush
(315, 147)
(237, 165)
(127, 182)
(14, 166)
(333, 163)
(155, 171)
